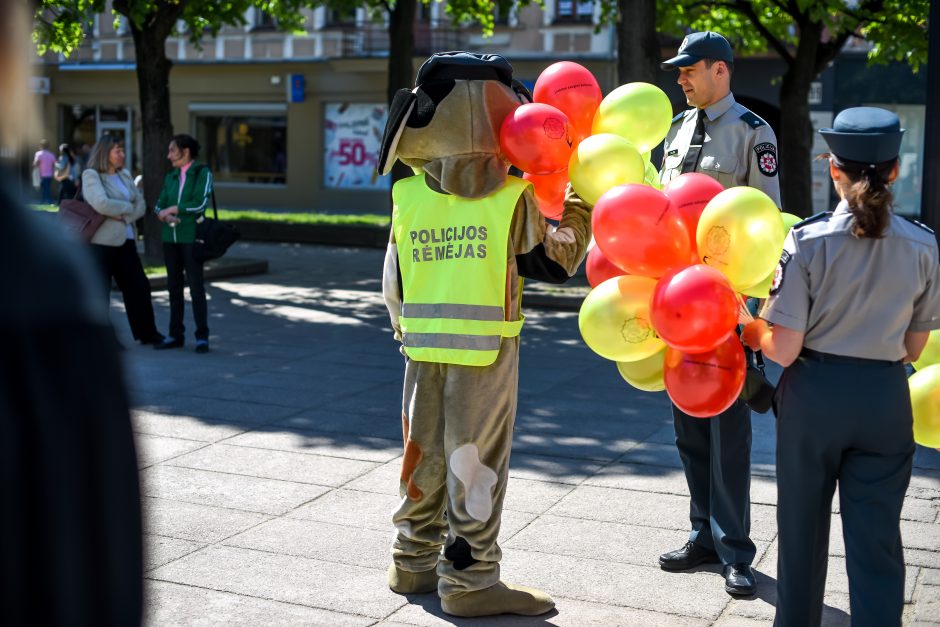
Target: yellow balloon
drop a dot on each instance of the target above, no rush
(638, 112)
(740, 233)
(788, 221)
(925, 401)
(601, 162)
(615, 319)
(762, 289)
(645, 374)
(651, 176)
(931, 353)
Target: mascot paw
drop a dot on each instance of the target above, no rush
(405, 582)
(498, 599)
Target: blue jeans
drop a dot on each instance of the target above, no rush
(45, 186)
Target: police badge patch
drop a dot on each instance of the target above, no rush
(777, 283)
(766, 158)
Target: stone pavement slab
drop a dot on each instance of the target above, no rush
(175, 604)
(246, 493)
(271, 474)
(303, 581)
(195, 521)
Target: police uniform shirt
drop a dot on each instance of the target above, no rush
(856, 296)
(739, 148)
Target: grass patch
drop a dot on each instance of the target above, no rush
(297, 217)
(154, 269)
(251, 215)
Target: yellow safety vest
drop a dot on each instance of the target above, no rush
(452, 258)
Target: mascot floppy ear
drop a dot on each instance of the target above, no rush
(398, 114)
(522, 92)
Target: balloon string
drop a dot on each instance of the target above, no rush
(744, 314)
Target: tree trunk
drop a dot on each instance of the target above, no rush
(153, 85)
(796, 129)
(637, 42)
(401, 45)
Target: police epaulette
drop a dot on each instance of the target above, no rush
(752, 119)
(679, 116)
(920, 224)
(815, 218)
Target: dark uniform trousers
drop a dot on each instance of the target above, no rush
(716, 456)
(123, 264)
(179, 257)
(847, 422)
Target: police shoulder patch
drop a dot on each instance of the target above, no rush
(814, 218)
(919, 224)
(766, 158)
(780, 271)
(752, 119)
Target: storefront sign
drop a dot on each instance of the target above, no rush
(352, 138)
(40, 84)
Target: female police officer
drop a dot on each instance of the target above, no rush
(856, 292)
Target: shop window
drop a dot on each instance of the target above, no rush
(244, 147)
(574, 11)
(352, 139)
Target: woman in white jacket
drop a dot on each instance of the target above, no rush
(109, 189)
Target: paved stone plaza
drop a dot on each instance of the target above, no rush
(269, 470)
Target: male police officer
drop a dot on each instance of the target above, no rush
(726, 141)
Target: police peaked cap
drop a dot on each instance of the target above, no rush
(865, 134)
(435, 79)
(698, 46)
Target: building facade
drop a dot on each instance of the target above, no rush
(293, 120)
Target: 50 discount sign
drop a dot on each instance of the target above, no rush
(353, 136)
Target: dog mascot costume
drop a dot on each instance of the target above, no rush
(463, 235)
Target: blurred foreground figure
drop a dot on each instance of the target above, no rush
(70, 534)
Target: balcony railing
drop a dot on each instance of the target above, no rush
(372, 40)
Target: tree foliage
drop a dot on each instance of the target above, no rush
(895, 28)
(61, 24)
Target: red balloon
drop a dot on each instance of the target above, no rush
(694, 309)
(690, 192)
(639, 230)
(536, 138)
(573, 90)
(599, 268)
(706, 384)
(549, 192)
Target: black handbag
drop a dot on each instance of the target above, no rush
(758, 391)
(78, 217)
(213, 237)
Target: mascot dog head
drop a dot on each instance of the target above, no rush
(448, 125)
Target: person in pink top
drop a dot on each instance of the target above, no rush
(44, 160)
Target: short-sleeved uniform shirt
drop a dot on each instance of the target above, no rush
(856, 296)
(740, 148)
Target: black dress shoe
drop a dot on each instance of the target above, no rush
(153, 339)
(687, 557)
(739, 580)
(170, 342)
(202, 346)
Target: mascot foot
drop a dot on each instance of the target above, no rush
(498, 599)
(405, 582)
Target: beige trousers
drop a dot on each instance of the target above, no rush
(457, 423)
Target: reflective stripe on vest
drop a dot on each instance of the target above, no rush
(452, 258)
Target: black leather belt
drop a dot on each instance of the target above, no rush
(843, 359)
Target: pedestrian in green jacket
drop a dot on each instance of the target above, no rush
(182, 204)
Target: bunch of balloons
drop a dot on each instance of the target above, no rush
(572, 133)
(667, 271)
